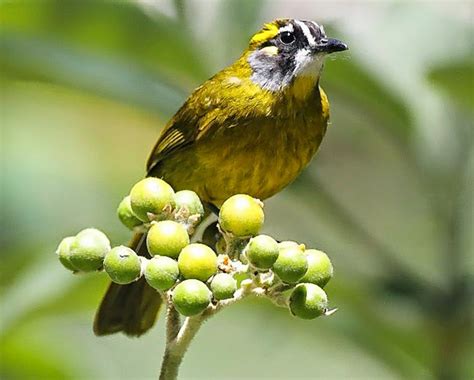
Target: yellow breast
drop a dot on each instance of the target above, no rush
(255, 154)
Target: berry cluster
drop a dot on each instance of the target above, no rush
(235, 262)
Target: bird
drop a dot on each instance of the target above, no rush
(251, 128)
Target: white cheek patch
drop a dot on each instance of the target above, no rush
(307, 33)
(302, 59)
(307, 64)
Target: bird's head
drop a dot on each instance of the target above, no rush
(287, 49)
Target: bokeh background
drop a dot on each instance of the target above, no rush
(86, 87)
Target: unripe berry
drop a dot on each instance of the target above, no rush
(262, 251)
(291, 264)
(287, 244)
(241, 215)
(122, 265)
(167, 238)
(189, 200)
(126, 215)
(223, 286)
(64, 253)
(151, 195)
(197, 261)
(161, 272)
(308, 301)
(191, 297)
(88, 250)
(320, 269)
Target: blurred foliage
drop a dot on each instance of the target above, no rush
(457, 80)
(86, 87)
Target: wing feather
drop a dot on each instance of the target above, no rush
(217, 104)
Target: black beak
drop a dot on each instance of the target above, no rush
(330, 45)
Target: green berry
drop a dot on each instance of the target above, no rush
(126, 215)
(88, 250)
(287, 244)
(122, 265)
(197, 261)
(167, 238)
(241, 215)
(223, 286)
(64, 252)
(262, 251)
(151, 195)
(291, 264)
(308, 301)
(320, 269)
(161, 272)
(189, 200)
(191, 297)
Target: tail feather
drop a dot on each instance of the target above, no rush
(131, 308)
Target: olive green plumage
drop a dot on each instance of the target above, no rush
(231, 136)
(249, 129)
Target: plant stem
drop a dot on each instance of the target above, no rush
(179, 336)
(176, 348)
(173, 321)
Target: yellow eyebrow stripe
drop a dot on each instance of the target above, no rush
(268, 32)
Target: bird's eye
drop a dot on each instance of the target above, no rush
(287, 38)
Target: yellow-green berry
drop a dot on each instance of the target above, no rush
(161, 272)
(262, 251)
(197, 261)
(126, 215)
(88, 250)
(241, 215)
(320, 269)
(223, 286)
(287, 244)
(189, 200)
(122, 265)
(151, 196)
(291, 264)
(167, 238)
(308, 301)
(191, 297)
(63, 253)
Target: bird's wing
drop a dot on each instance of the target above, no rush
(184, 129)
(177, 134)
(201, 116)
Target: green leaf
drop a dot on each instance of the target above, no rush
(48, 60)
(116, 29)
(125, 58)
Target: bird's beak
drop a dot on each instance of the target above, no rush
(330, 45)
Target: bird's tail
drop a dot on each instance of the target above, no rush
(131, 308)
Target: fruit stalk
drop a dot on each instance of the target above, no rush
(179, 336)
(178, 339)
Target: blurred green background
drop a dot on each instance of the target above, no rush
(86, 87)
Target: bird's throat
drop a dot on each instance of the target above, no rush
(302, 86)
